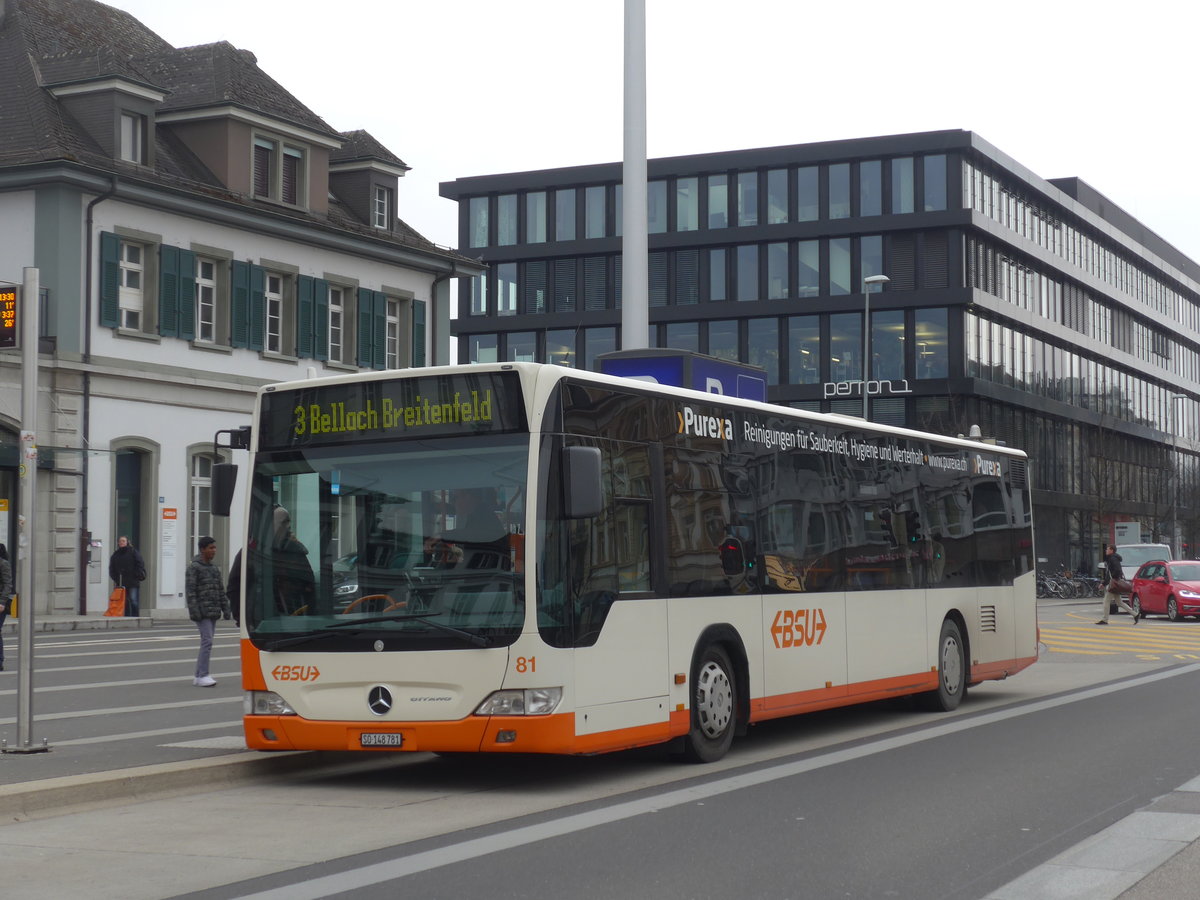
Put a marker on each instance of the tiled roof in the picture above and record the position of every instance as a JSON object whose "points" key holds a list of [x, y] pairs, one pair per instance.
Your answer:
{"points": [[48, 43], [360, 145]]}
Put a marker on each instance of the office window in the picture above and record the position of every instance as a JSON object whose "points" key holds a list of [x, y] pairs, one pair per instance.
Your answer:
{"points": [[762, 346], [595, 342], [870, 187], [723, 339], [133, 137], [687, 204], [839, 191], [535, 217], [845, 347], [337, 324], [903, 189], [718, 277], [560, 346], [481, 348], [392, 335], [839, 266], [777, 271], [479, 303], [808, 268], [804, 350], [747, 272], [871, 251], [564, 215], [747, 198], [273, 306], [593, 211], [718, 201], [935, 182], [521, 346], [687, 277], [682, 336], [506, 220], [533, 292], [506, 289], [808, 195], [656, 207], [930, 336], [887, 344], [206, 300], [777, 196], [381, 208], [477, 222]]}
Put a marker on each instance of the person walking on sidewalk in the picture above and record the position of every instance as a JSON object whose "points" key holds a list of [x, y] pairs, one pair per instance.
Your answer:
{"points": [[1116, 584], [128, 570], [6, 593], [206, 602]]}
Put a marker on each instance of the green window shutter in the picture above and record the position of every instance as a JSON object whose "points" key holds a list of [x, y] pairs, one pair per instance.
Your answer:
{"points": [[110, 280], [187, 295], [304, 316], [366, 327], [258, 307], [168, 291], [239, 304], [380, 342], [321, 319], [418, 332]]}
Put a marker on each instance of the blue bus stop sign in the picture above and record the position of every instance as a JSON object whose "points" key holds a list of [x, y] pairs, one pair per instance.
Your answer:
{"points": [[682, 368]]}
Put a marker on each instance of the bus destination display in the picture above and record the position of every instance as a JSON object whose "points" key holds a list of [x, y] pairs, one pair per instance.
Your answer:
{"points": [[396, 408]]}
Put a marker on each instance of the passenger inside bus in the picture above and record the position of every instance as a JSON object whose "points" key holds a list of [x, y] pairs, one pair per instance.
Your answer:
{"points": [[294, 583]]}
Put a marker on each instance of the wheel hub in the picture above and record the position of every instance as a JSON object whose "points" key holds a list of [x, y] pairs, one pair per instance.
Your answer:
{"points": [[714, 700]]}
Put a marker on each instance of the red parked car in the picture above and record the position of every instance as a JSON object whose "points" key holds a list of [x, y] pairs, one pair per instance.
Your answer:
{"points": [[1172, 588]]}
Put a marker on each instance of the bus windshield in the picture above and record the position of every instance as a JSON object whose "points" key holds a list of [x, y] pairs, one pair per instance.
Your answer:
{"points": [[416, 541]]}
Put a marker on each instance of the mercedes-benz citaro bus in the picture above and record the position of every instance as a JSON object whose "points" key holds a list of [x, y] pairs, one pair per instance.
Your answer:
{"points": [[530, 558]]}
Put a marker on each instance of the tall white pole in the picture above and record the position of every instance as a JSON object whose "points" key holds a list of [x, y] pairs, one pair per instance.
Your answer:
{"points": [[866, 354], [27, 527], [635, 306]]}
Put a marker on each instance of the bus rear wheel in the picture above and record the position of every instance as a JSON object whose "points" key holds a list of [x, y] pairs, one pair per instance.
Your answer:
{"points": [[714, 706], [952, 671]]}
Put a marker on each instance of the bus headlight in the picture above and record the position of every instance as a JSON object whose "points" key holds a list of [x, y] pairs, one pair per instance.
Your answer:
{"points": [[528, 702], [266, 703]]}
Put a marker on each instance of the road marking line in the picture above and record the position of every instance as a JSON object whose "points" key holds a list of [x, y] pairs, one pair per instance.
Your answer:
{"points": [[118, 710], [473, 848]]}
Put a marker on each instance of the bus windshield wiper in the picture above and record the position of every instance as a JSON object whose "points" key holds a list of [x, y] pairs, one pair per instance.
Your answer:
{"points": [[354, 627], [475, 640]]}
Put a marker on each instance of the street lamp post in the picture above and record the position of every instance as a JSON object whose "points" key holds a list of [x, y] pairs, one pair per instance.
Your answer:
{"points": [[1175, 470], [866, 358]]}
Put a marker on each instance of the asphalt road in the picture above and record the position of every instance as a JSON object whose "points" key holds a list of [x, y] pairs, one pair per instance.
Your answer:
{"points": [[872, 801]]}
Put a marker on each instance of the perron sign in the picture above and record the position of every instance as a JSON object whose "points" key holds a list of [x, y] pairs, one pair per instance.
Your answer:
{"points": [[874, 388]]}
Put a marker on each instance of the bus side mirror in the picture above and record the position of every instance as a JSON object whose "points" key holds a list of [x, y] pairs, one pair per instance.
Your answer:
{"points": [[581, 482], [224, 480]]}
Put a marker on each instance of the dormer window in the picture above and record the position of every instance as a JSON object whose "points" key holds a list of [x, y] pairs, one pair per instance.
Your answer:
{"points": [[381, 208], [133, 138], [278, 171]]}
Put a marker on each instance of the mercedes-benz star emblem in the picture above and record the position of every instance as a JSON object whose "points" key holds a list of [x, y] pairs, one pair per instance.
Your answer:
{"points": [[380, 701]]}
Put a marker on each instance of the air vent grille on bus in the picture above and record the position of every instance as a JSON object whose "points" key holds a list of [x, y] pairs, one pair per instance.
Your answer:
{"points": [[987, 618], [1019, 477]]}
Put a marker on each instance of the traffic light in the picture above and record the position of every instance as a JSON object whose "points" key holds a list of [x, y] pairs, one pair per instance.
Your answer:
{"points": [[912, 522]]}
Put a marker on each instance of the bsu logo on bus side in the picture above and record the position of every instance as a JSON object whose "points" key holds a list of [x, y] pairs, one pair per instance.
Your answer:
{"points": [[697, 425], [798, 627]]}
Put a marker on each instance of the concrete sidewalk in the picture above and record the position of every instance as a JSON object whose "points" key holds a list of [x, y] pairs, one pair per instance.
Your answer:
{"points": [[97, 622]]}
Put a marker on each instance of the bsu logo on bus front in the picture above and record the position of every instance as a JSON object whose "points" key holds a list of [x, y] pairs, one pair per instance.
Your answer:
{"points": [[697, 425]]}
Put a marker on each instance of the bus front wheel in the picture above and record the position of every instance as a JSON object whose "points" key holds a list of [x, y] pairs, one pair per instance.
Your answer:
{"points": [[952, 671], [714, 706]]}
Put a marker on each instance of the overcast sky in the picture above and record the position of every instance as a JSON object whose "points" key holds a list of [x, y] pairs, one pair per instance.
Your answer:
{"points": [[456, 88]]}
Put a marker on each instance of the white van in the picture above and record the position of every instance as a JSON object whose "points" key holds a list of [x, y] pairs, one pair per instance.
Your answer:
{"points": [[1134, 556]]}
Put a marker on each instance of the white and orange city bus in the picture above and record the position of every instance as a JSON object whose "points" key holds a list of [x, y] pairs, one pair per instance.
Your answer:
{"points": [[531, 558]]}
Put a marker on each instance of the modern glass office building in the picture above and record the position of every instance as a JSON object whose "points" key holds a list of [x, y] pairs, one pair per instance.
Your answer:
{"points": [[1035, 309]]}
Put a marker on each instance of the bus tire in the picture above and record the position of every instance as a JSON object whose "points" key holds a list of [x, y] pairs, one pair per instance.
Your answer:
{"points": [[951, 671], [714, 706]]}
